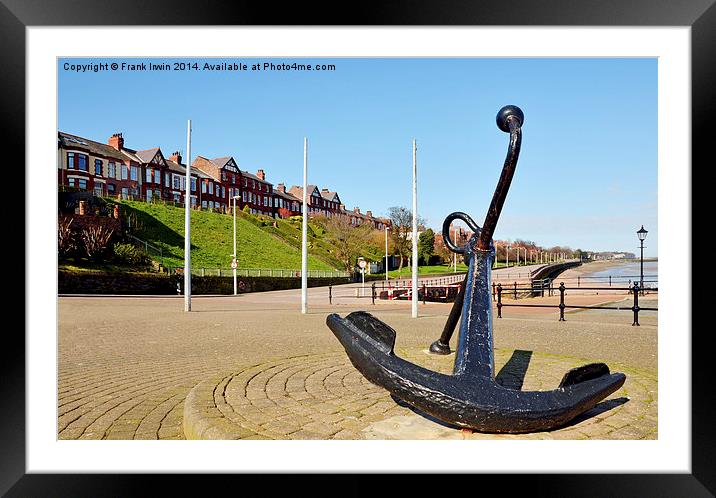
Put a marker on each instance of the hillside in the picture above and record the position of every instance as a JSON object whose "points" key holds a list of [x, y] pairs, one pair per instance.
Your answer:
{"points": [[212, 239]]}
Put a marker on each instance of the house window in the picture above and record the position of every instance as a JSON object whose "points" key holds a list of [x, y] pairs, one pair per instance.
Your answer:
{"points": [[149, 195], [111, 172], [166, 179], [217, 190], [125, 193], [203, 204], [71, 182], [82, 183], [134, 192], [211, 204], [244, 195], [246, 182], [149, 175], [124, 171], [98, 189], [267, 189], [223, 176], [176, 197], [193, 184], [110, 189], [203, 187], [253, 184], [223, 192], [98, 167], [193, 202], [134, 174], [176, 182]]}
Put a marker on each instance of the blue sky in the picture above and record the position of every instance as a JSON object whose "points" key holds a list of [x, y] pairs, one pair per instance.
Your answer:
{"points": [[587, 175]]}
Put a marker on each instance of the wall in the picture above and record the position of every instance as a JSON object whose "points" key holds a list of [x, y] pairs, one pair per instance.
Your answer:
{"points": [[86, 282]]}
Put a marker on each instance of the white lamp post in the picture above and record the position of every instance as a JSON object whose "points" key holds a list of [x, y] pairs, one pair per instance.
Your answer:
{"points": [[386, 253], [234, 262]]}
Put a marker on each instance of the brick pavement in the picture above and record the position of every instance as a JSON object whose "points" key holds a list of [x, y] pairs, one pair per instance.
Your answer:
{"points": [[127, 365]]}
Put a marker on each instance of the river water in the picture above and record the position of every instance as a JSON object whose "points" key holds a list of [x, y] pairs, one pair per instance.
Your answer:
{"points": [[623, 272]]}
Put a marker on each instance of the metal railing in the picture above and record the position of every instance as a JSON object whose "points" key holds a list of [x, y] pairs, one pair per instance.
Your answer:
{"points": [[147, 246], [259, 272], [633, 290]]}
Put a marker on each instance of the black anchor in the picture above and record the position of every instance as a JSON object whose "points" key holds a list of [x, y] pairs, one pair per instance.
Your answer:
{"points": [[471, 397]]}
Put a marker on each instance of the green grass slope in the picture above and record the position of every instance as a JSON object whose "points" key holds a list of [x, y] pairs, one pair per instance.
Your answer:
{"points": [[212, 239]]}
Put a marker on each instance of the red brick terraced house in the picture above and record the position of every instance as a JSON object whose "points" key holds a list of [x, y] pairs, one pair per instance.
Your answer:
{"points": [[257, 193], [220, 181], [331, 202], [314, 200], [176, 179], [153, 170], [286, 205], [358, 218], [84, 164]]}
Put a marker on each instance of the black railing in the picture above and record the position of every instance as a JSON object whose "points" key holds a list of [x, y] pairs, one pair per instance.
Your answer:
{"points": [[633, 290]]}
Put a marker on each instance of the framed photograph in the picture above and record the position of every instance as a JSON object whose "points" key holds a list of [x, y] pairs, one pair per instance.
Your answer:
{"points": [[85, 410]]}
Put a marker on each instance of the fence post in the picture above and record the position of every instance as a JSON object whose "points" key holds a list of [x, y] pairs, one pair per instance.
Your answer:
{"points": [[610, 280], [542, 287], [561, 301], [515, 290], [579, 280], [372, 295], [493, 291], [330, 294], [499, 300], [635, 308], [424, 293]]}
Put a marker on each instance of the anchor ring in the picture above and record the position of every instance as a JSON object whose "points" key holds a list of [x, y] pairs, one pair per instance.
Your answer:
{"points": [[446, 229]]}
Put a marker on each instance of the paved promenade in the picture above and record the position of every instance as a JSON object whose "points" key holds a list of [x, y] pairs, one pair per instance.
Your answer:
{"points": [[251, 366]]}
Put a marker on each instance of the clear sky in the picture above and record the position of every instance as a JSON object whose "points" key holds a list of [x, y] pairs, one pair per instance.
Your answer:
{"points": [[586, 178]]}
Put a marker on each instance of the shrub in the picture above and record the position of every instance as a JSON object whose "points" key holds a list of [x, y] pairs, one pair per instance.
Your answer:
{"points": [[131, 255], [66, 238], [96, 241]]}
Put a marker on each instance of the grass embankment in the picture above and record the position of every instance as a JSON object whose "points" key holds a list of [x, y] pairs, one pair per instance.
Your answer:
{"points": [[212, 239], [406, 271]]}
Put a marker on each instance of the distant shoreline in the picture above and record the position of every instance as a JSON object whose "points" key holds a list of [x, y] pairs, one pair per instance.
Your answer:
{"points": [[597, 266]]}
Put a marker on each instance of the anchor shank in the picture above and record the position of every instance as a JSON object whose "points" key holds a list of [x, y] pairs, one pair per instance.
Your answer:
{"points": [[474, 355]]}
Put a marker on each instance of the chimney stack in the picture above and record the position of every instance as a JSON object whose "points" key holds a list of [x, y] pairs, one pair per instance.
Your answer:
{"points": [[176, 157], [369, 214], [281, 187], [343, 207], [356, 210], [116, 141], [260, 173]]}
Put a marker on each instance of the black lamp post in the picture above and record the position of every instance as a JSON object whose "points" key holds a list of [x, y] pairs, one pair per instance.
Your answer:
{"points": [[641, 233]]}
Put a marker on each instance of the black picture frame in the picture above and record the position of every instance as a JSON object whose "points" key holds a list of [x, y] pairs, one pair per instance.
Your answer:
{"points": [[699, 15]]}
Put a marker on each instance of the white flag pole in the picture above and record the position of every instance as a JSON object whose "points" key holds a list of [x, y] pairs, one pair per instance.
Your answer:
{"points": [[304, 234], [187, 223], [415, 233]]}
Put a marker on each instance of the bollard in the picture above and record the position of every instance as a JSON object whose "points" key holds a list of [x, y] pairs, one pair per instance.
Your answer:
{"points": [[493, 291], [579, 279], [515, 290], [499, 300], [372, 294], [330, 294], [424, 293], [610, 280], [561, 302], [635, 308]]}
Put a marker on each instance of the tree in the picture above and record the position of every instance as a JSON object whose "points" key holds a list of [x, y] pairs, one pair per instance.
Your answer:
{"points": [[426, 246], [401, 219], [347, 239]]}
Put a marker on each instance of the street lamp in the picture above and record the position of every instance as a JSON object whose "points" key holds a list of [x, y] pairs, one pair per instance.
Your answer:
{"points": [[641, 233], [234, 262], [386, 253]]}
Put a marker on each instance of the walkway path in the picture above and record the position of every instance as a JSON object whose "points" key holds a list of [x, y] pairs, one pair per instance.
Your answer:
{"points": [[127, 364]]}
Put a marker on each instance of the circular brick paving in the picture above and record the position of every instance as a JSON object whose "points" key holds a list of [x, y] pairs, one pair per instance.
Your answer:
{"points": [[325, 397]]}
